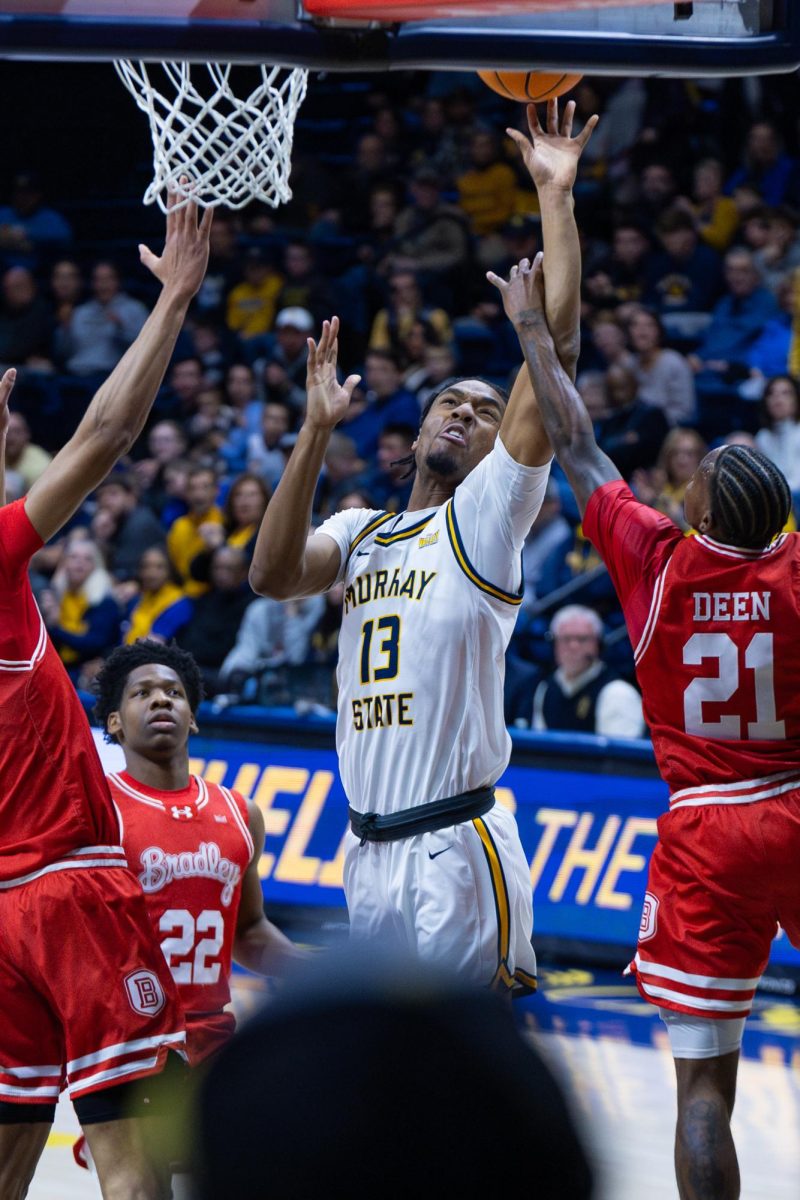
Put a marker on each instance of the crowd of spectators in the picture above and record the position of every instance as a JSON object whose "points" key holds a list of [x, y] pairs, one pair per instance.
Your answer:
{"points": [[690, 338]]}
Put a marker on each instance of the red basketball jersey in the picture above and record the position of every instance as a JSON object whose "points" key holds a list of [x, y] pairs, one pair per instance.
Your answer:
{"points": [[55, 807], [190, 850], [716, 636]]}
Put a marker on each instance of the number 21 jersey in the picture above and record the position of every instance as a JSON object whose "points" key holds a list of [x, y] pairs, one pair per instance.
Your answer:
{"points": [[716, 637]]}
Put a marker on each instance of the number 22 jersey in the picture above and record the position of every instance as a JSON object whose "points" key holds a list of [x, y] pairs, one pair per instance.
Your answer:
{"points": [[189, 851], [716, 637]]}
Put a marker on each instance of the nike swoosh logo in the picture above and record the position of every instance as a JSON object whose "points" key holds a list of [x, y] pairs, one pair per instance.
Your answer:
{"points": [[359, 553], [438, 852]]}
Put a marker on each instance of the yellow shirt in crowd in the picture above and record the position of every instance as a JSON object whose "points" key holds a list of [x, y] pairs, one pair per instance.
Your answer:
{"points": [[149, 608], [251, 310], [488, 197], [184, 543]]}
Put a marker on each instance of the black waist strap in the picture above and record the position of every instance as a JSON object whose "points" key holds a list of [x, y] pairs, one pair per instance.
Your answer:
{"points": [[438, 814]]}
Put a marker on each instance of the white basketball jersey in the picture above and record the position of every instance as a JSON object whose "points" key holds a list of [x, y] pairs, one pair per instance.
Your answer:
{"points": [[431, 598]]}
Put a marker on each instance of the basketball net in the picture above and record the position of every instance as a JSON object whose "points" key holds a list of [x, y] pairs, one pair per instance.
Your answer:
{"points": [[231, 149]]}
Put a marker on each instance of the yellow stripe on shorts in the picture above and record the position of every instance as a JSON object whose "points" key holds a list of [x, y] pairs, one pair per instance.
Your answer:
{"points": [[500, 890]]}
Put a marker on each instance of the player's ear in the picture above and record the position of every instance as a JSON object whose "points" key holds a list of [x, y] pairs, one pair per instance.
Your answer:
{"points": [[706, 521], [114, 724], [193, 726]]}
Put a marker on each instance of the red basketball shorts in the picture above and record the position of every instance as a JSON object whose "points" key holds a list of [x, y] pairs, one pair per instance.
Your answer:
{"points": [[722, 879], [86, 998]]}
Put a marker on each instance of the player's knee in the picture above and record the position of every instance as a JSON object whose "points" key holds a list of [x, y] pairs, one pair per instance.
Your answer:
{"points": [[130, 1185]]}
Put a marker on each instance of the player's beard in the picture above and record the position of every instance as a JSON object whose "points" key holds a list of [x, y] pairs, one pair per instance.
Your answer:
{"points": [[440, 463]]}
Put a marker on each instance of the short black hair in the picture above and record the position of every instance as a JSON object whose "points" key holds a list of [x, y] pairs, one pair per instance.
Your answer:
{"points": [[410, 460], [456, 382], [110, 683], [750, 498]]}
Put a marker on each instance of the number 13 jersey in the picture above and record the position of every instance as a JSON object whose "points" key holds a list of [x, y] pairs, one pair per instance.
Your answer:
{"points": [[189, 851], [716, 637], [430, 602]]}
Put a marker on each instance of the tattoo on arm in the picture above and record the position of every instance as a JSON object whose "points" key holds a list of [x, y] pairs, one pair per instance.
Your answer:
{"points": [[563, 412]]}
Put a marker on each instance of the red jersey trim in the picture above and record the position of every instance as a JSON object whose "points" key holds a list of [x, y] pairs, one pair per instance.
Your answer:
{"points": [[702, 539], [745, 791], [21, 664], [87, 856]]}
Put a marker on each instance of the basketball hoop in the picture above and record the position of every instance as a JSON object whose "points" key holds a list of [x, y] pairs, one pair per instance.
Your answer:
{"points": [[231, 149]]}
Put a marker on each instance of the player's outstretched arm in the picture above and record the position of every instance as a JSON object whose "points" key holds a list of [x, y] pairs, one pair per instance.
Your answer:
{"points": [[117, 414], [6, 384], [287, 563], [551, 157], [259, 945], [566, 422]]}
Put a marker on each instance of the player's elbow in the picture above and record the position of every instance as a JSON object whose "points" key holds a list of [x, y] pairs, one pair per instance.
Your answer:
{"points": [[569, 349], [270, 582], [110, 440], [574, 449]]}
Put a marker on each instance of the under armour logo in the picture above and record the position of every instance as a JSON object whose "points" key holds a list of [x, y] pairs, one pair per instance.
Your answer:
{"points": [[182, 814]]}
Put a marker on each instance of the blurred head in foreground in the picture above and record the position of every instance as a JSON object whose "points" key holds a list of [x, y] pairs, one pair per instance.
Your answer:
{"points": [[381, 1082]]}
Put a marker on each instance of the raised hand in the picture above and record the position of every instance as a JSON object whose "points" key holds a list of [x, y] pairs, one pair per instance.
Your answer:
{"points": [[551, 156], [184, 260], [326, 399], [523, 292]]}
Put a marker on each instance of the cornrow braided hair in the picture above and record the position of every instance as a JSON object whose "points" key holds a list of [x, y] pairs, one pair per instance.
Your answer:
{"points": [[750, 498]]}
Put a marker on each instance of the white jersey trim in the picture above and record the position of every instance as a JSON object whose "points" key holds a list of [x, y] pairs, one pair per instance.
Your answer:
{"points": [[95, 850], [31, 1072], [142, 1064], [700, 1003], [700, 981], [45, 1092], [652, 616], [121, 1048], [245, 832], [143, 798], [726, 551], [19, 664], [746, 791], [77, 860]]}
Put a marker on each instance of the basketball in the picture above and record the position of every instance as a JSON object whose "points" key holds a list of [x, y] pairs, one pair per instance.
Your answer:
{"points": [[527, 86]]}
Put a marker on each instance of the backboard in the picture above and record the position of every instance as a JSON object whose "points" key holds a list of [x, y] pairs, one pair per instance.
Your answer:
{"points": [[611, 37]]}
